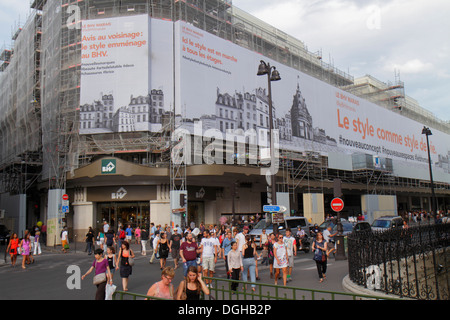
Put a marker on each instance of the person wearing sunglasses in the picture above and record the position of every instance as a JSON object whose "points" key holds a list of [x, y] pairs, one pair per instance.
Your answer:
{"points": [[163, 289], [280, 253]]}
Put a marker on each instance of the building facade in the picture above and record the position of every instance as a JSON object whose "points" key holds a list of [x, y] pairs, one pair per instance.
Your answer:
{"points": [[96, 119]]}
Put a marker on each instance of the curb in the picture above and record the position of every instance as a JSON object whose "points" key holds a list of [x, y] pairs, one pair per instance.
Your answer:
{"points": [[350, 286]]}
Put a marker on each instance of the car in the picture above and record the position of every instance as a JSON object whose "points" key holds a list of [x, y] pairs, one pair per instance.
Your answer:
{"points": [[330, 223], [289, 222], [362, 226], [347, 228], [387, 222], [4, 234]]}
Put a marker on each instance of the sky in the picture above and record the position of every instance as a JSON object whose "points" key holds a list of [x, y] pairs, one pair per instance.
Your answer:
{"points": [[375, 37]]}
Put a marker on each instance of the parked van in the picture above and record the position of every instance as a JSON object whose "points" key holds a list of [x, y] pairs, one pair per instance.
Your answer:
{"points": [[387, 222], [289, 222]]}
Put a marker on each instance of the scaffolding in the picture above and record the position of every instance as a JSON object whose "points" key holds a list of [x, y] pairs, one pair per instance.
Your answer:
{"points": [[391, 95], [64, 149], [20, 112], [40, 92]]}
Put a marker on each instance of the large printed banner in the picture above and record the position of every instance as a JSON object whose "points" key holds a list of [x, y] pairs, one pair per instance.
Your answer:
{"points": [[114, 70], [219, 86], [136, 69]]}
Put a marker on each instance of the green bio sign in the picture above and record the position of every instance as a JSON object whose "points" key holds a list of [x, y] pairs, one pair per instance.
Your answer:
{"points": [[108, 166]]}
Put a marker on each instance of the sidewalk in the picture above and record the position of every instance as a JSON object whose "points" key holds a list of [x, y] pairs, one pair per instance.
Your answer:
{"points": [[79, 248]]}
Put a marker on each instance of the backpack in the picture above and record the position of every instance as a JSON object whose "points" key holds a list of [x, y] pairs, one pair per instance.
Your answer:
{"points": [[122, 234]]}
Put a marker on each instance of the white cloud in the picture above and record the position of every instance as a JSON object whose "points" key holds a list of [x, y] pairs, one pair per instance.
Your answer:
{"points": [[373, 37], [414, 66]]}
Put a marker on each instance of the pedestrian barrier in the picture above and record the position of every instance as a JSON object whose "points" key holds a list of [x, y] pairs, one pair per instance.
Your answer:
{"points": [[125, 295], [221, 290]]}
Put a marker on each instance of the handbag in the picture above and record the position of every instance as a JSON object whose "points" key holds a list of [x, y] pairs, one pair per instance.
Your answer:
{"points": [[183, 293], [319, 255], [130, 261], [99, 278]]}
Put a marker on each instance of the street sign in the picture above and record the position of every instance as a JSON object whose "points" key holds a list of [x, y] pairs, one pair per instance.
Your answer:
{"points": [[337, 204], [277, 217], [274, 208], [179, 210], [271, 208], [65, 197]]}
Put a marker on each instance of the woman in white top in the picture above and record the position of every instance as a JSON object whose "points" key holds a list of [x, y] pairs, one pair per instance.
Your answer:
{"points": [[281, 259]]}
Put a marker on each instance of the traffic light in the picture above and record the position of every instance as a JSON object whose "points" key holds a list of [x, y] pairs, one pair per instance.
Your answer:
{"points": [[182, 200], [236, 189]]}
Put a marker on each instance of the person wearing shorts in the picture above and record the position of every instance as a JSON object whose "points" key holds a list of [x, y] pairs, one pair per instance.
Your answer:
{"points": [[188, 253], [129, 232], [209, 250], [291, 247], [175, 242]]}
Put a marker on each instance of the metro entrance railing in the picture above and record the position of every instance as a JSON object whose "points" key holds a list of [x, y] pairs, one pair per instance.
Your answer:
{"points": [[221, 290]]}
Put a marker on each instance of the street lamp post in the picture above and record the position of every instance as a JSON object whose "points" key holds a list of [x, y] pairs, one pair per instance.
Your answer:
{"points": [[266, 68], [426, 131]]}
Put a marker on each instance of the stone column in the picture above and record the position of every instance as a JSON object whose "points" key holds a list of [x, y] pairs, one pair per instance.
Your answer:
{"points": [[313, 207], [83, 214], [160, 208]]}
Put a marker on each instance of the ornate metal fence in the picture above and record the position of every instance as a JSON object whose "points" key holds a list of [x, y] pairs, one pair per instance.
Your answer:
{"points": [[411, 262]]}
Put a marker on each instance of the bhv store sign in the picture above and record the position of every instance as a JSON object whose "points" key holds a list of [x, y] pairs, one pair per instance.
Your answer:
{"points": [[109, 166]]}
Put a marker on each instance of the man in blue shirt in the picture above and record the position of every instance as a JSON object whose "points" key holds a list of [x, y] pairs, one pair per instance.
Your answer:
{"points": [[226, 247], [152, 231], [129, 232]]}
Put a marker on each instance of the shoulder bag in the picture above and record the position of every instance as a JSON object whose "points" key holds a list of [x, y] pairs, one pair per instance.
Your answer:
{"points": [[183, 293], [319, 255], [130, 260]]}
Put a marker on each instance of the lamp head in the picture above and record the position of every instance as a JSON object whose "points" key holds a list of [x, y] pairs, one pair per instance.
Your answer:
{"points": [[275, 75], [263, 69], [426, 131]]}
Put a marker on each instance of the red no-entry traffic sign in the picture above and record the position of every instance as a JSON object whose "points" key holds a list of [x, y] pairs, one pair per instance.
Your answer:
{"points": [[65, 197], [337, 204]]}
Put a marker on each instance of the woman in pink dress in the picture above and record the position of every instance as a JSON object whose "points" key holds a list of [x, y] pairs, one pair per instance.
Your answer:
{"points": [[137, 235], [25, 246]]}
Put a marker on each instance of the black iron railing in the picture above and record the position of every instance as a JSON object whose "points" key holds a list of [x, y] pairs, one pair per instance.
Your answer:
{"points": [[412, 262]]}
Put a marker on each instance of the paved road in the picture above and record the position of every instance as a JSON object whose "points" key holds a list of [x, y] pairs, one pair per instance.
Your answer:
{"points": [[47, 277]]}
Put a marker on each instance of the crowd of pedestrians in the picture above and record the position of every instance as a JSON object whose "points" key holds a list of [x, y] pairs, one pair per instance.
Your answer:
{"points": [[197, 250], [27, 247]]}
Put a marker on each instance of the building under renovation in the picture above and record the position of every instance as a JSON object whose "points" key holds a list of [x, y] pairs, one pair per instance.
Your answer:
{"points": [[112, 149]]}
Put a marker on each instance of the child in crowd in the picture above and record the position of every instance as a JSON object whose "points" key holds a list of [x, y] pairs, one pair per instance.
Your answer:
{"points": [[265, 255]]}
